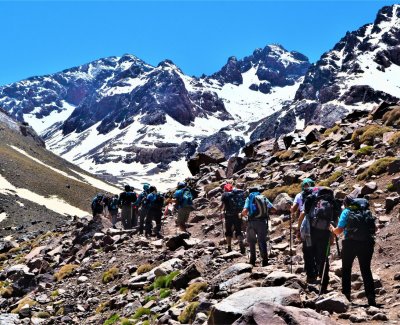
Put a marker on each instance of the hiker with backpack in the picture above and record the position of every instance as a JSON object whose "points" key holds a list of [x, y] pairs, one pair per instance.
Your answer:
{"points": [[232, 203], [113, 209], [304, 229], [97, 205], [358, 225], [184, 204], [256, 209], [155, 211], [142, 205], [321, 210], [126, 202]]}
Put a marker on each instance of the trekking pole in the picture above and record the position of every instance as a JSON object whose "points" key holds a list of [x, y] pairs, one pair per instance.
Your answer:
{"points": [[290, 243], [325, 264], [337, 246]]}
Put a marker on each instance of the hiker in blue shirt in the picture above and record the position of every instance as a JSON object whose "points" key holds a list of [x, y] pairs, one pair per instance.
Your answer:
{"points": [[358, 242], [257, 208], [184, 203], [155, 205]]}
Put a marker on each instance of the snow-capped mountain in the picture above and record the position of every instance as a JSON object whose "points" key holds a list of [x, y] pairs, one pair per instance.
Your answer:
{"points": [[130, 121], [361, 70]]}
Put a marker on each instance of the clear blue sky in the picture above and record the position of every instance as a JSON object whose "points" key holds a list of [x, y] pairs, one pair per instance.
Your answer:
{"points": [[44, 37]]}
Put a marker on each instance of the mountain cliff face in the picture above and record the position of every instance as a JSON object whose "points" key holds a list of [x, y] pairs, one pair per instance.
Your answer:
{"points": [[359, 72], [120, 116]]}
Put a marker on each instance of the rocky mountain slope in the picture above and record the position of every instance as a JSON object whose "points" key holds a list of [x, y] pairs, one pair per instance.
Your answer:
{"points": [[359, 72], [38, 189], [121, 116], [86, 273]]}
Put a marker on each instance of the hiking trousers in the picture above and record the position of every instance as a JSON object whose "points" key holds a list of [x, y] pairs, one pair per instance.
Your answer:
{"points": [[363, 250], [309, 262], [114, 216], [320, 241], [257, 231], [142, 217], [126, 215], [153, 215], [233, 223]]}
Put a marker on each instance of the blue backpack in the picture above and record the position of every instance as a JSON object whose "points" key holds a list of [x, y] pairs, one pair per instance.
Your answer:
{"points": [[113, 204], [258, 208], [187, 197]]}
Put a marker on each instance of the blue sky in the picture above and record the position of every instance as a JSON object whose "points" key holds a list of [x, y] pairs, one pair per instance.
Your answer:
{"points": [[44, 37]]}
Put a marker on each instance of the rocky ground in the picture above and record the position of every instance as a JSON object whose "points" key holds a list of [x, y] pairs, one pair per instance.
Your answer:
{"points": [[84, 272]]}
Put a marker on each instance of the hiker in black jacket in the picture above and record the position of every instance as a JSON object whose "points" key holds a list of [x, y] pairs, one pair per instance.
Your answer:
{"points": [[126, 202], [232, 204]]}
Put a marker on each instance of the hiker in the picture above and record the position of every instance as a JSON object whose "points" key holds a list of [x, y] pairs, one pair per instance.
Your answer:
{"points": [[126, 202], [113, 209], [358, 225], [256, 208], [321, 209], [155, 211], [232, 203], [184, 204], [141, 204], [304, 229], [97, 204]]}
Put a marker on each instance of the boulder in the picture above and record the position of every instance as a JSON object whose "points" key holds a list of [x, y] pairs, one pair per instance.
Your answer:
{"points": [[282, 203], [235, 164], [167, 267], [212, 156], [277, 278], [233, 307], [177, 241], [270, 313], [394, 167], [369, 188], [336, 302], [191, 272], [391, 201]]}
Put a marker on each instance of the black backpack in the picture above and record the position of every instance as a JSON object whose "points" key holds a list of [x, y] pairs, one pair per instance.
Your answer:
{"points": [[128, 198], [235, 202], [96, 204], [360, 223], [322, 208]]}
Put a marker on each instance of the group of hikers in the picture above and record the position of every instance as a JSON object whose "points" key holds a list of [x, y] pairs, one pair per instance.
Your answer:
{"points": [[140, 211], [320, 220]]}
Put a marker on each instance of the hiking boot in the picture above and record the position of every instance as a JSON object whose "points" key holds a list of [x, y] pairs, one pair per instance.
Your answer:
{"points": [[264, 262], [348, 296], [159, 236], [252, 262], [242, 248], [229, 249]]}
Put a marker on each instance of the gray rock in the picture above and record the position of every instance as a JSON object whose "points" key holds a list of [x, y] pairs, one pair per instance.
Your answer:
{"points": [[190, 273], [337, 303], [391, 202], [369, 188], [270, 313], [167, 267], [177, 241], [231, 308], [282, 203], [9, 319], [6, 245], [277, 278]]}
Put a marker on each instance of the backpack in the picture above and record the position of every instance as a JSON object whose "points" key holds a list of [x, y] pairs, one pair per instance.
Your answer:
{"points": [[96, 204], [127, 198], [157, 202], [258, 206], [113, 205], [360, 223], [322, 208], [235, 202], [187, 197]]}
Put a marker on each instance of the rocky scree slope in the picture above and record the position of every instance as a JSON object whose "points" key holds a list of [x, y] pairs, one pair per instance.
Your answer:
{"points": [[38, 189], [86, 273], [360, 71], [123, 117]]}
